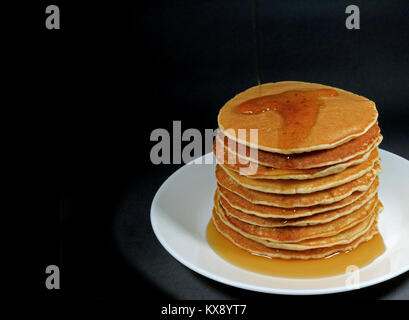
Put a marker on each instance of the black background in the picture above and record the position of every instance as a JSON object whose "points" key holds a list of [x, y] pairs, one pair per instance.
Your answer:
{"points": [[122, 69]]}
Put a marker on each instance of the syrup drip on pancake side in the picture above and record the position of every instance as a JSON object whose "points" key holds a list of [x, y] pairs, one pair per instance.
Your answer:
{"points": [[298, 108]]}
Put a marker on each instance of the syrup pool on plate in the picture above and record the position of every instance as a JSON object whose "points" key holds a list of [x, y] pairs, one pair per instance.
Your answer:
{"points": [[333, 265]]}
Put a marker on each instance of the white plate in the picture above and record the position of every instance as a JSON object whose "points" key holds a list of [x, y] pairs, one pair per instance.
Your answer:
{"points": [[182, 208]]}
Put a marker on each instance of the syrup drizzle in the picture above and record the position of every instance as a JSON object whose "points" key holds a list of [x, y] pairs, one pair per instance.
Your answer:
{"points": [[298, 109]]}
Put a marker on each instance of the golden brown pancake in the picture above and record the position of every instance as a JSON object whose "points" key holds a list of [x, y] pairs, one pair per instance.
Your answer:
{"points": [[292, 234], [297, 215], [259, 249], [305, 186], [352, 116], [232, 162], [298, 200], [318, 218], [306, 160], [343, 237]]}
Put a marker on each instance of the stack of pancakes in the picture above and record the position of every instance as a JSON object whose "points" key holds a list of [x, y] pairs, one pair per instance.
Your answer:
{"points": [[312, 191]]}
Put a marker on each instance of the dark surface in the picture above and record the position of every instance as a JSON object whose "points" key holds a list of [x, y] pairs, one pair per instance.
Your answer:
{"points": [[126, 69]]}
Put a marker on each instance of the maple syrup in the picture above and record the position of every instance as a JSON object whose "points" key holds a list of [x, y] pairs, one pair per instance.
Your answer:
{"points": [[333, 265], [254, 20], [298, 108]]}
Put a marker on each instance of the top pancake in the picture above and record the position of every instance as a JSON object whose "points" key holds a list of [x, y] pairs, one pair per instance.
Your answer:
{"points": [[339, 119]]}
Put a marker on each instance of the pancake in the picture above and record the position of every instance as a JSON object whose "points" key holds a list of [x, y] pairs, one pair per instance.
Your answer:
{"points": [[232, 162], [343, 237], [297, 171], [292, 234], [290, 216], [305, 186], [259, 249], [307, 160], [352, 116], [318, 218], [298, 200]]}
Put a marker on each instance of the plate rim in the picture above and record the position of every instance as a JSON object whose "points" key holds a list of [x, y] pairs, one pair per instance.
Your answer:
{"points": [[255, 288]]}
